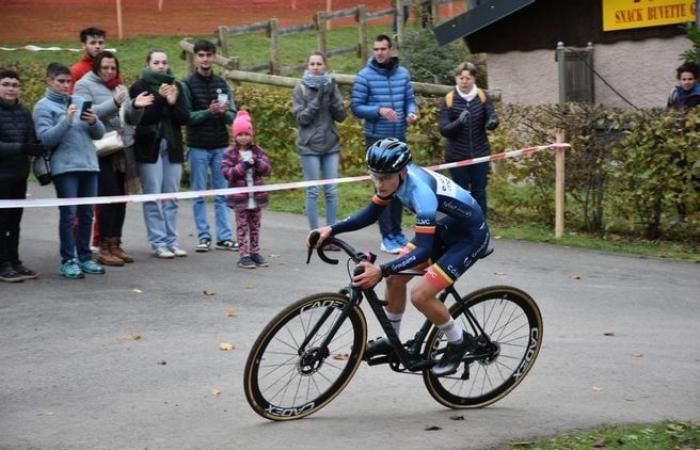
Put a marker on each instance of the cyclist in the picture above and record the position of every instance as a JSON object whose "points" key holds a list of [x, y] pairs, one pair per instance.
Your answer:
{"points": [[448, 245]]}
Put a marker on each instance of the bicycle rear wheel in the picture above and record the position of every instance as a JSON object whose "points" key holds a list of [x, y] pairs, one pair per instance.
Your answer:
{"points": [[512, 322], [283, 381]]}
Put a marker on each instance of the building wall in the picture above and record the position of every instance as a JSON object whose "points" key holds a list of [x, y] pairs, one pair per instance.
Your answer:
{"points": [[642, 71]]}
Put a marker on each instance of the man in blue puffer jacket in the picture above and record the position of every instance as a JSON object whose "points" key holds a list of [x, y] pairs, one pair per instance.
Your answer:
{"points": [[383, 96]]}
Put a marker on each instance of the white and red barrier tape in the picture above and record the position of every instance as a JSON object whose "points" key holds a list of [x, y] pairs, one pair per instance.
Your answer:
{"points": [[44, 202], [34, 48]]}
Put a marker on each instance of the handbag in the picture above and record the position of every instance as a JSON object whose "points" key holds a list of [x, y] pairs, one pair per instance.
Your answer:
{"points": [[110, 143], [41, 167]]}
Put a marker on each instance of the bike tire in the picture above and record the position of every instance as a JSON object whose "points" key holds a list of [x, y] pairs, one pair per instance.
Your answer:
{"points": [[277, 383], [513, 321]]}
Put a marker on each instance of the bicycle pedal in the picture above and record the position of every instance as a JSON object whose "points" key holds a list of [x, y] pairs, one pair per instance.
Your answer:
{"points": [[381, 359]]}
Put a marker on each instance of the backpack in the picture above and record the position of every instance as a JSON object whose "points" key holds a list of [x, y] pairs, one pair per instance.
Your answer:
{"points": [[449, 98]]}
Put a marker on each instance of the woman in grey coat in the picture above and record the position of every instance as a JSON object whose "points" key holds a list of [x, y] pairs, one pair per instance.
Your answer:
{"points": [[317, 105], [104, 88]]}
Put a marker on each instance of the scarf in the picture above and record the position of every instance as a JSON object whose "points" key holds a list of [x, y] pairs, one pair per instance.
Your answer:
{"points": [[154, 80], [469, 96], [113, 83], [315, 81]]}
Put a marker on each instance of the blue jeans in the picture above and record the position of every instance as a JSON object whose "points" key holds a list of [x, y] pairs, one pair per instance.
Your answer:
{"points": [[313, 166], [201, 161], [75, 242], [161, 217], [473, 178]]}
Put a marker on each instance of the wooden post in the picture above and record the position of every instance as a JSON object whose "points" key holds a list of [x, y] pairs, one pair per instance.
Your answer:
{"points": [[223, 41], [120, 29], [273, 34], [329, 9], [399, 24], [321, 32], [435, 11], [361, 18], [160, 5], [559, 177]]}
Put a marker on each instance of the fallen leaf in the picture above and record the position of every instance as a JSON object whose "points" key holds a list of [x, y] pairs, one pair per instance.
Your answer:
{"points": [[162, 363], [596, 388], [499, 273], [638, 355], [206, 292], [341, 356], [432, 428], [456, 417], [249, 286], [675, 427], [576, 277], [131, 336], [138, 291], [609, 333], [226, 346], [230, 312], [497, 237], [600, 443], [614, 237], [215, 392], [274, 256]]}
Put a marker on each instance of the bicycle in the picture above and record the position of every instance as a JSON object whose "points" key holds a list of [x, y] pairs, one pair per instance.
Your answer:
{"points": [[310, 351]]}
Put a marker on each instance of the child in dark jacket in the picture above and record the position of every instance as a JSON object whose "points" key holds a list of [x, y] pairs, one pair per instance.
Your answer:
{"points": [[245, 164]]}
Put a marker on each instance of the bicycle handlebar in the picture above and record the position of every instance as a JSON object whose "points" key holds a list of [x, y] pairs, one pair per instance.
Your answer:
{"points": [[347, 248]]}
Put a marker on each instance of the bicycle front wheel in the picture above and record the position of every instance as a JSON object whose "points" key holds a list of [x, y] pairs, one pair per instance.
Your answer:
{"points": [[512, 323], [282, 381]]}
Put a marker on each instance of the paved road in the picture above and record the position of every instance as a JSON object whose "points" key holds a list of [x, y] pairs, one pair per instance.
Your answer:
{"points": [[69, 380]]}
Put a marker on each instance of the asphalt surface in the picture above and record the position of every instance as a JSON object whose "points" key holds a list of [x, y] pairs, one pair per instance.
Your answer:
{"points": [[620, 346]]}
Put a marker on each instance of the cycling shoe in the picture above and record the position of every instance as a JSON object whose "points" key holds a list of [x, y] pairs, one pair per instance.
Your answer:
{"points": [[378, 347]]}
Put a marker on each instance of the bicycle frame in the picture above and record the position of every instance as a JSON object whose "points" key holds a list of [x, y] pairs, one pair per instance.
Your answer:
{"points": [[411, 359]]}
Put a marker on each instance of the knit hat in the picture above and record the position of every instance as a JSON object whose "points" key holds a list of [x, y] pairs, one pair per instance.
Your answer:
{"points": [[242, 124]]}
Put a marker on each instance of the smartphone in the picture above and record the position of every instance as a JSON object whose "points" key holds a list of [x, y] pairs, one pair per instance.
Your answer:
{"points": [[87, 104]]}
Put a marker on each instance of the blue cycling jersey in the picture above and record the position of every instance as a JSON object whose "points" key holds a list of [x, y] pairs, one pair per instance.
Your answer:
{"points": [[425, 193]]}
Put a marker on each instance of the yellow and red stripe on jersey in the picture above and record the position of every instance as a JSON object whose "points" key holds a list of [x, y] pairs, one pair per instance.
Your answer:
{"points": [[423, 229], [377, 200], [438, 277]]}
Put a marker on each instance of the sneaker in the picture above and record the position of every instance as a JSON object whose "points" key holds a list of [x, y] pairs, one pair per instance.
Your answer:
{"points": [[259, 260], [227, 244], [203, 245], [71, 269], [91, 267], [246, 263], [163, 253], [378, 347], [452, 358], [9, 275], [390, 246], [177, 251], [26, 273], [400, 239]]}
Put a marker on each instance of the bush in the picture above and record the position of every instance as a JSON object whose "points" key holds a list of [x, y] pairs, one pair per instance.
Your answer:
{"points": [[430, 63]]}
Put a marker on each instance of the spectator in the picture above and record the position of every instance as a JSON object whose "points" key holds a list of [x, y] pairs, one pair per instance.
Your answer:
{"points": [[406, 4], [465, 115], [158, 151], [211, 107], [317, 105], [92, 41], [383, 96], [74, 168], [245, 164], [683, 97], [105, 89], [17, 142]]}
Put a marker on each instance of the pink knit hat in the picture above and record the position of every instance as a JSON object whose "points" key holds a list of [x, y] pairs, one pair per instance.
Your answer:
{"points": [[242, 124]]}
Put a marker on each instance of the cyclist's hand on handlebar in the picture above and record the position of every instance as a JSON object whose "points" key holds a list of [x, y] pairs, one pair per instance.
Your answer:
{"points": [[369, 278], [324, 233]]}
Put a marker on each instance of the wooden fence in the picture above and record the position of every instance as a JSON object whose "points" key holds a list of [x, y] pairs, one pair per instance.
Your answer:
{"points": [[320, 23]]}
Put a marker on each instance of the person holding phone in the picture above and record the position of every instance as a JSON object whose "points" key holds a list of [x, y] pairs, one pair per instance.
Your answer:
{"points": [[212, 111], [103, 90], [69, 132], [158, 151]]}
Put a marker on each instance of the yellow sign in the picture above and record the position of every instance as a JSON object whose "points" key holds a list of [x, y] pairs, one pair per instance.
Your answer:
{"points": [[626, 14]]}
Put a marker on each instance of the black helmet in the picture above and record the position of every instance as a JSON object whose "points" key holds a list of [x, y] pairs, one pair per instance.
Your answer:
{"points": [[388, 156]]}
